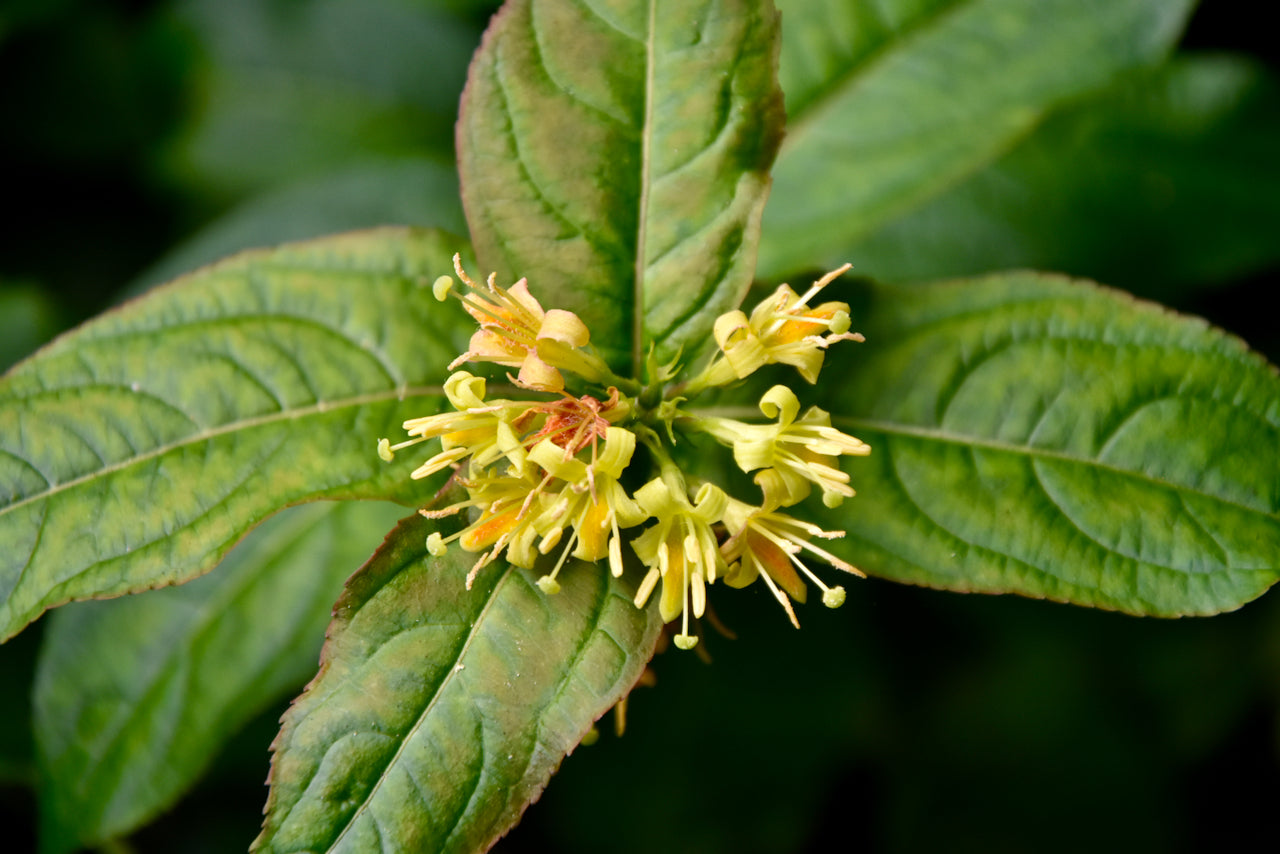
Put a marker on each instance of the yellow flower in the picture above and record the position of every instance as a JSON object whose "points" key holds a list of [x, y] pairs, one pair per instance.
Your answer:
{"points": [[765, 544], [680, 549], [546, 474], [516, 332], [802, 450], [783, 329], [509, 506], [593, 503], [476, 429]]}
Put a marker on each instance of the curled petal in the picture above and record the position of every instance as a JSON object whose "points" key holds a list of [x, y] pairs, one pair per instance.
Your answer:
{"points": [[780, 402], [537, 374], [464, 391], [710, 503], [619, 446], [566, 327], [728, 326]]}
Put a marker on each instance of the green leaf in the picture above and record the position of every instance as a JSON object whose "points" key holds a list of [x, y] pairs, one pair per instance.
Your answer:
{"points": [[295, 89], [1166, 181], [895, 126], [392, 191], [135, 696], [617, 155], [1035, 435], [136, 450], [440, 712], [823, 41]]}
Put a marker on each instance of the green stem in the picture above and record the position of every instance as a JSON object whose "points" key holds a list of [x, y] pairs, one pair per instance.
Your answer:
{"points": [[667, 467], [629, 387]]}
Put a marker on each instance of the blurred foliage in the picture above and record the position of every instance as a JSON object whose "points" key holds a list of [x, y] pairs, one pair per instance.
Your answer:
{"points": [[144, 137]]}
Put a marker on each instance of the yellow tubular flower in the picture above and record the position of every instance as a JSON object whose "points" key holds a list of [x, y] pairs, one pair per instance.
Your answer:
{"points": [[593, 503], [509, 506], [475, 429], [516, 332], [802, 450], [681, 549], [765, 544], [546, 473], [783, 329]]}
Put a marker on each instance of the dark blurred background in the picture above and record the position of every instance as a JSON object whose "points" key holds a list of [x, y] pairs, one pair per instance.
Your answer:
{"points": [[143, 138]]}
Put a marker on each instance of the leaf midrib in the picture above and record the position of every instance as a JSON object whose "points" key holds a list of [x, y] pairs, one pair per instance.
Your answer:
{"points": [[894, 428], [319, 408], [646, 134], [426, 711], [944, 436]]}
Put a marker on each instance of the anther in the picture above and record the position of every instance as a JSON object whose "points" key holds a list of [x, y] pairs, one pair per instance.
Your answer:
{"points": [[441, 287]]}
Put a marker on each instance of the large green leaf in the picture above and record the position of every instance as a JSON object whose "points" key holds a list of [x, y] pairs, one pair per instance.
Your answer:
{"points": [[1170, 179], [897, 125], [439, 713], [1042, 436], [617, 154], [135, 696], [824, 41], [135, 451]]}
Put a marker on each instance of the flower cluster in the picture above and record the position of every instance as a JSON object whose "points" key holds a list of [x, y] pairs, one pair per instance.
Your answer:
{"points": [[542, 467]]}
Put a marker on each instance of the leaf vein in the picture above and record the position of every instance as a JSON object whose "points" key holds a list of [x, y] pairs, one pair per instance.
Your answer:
{"points": [[642, 218], [319, 408], [929, 434], [450, 674]]}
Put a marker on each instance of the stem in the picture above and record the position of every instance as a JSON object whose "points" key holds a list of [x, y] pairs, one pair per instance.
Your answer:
{"points": [[667, 467], [627, 386]]}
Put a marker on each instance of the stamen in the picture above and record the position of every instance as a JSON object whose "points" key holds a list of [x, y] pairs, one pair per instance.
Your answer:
{"points": [[805, 544], [782, 598], [436, 544], [646, 587], [547, 583], [441, 288], [823, 282], [457, 268], [686, 640], [479, 565], [684, 595], [615, 552]]}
